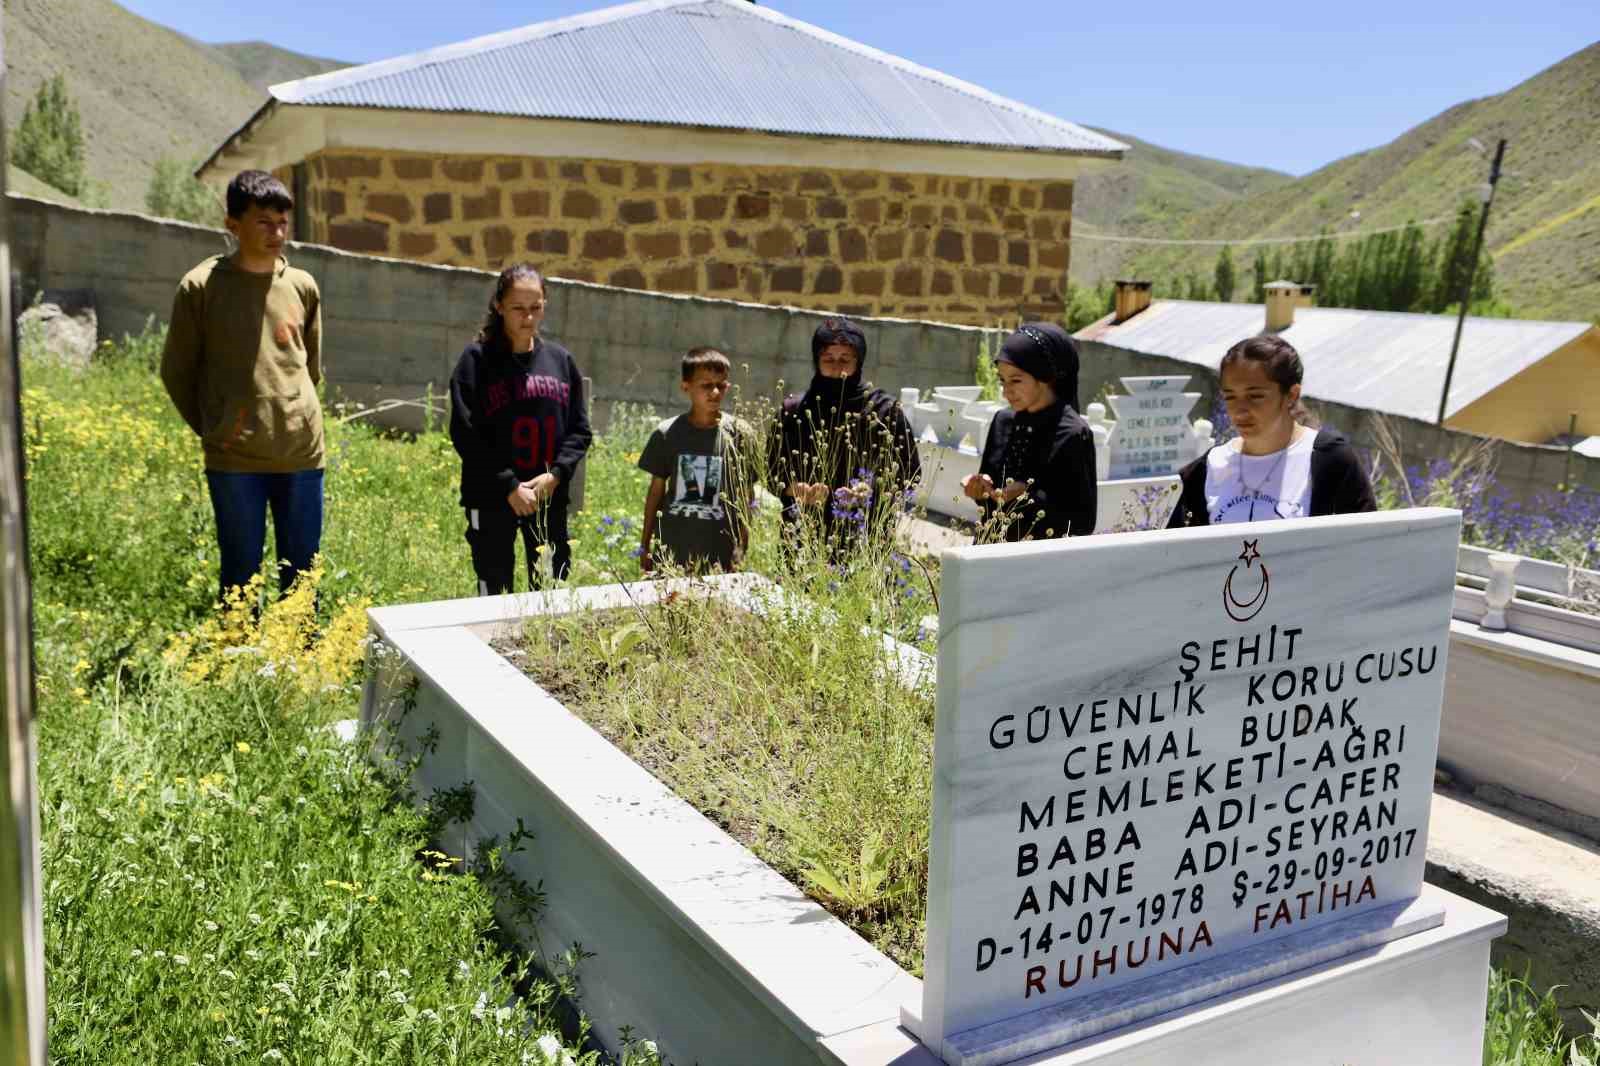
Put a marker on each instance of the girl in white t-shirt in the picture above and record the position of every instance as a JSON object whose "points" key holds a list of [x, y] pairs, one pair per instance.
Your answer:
{"points": [[1278, 467]]}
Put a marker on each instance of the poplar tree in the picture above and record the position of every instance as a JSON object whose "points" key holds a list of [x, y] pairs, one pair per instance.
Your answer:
{"points": [[1223, 279], [48, 142]]}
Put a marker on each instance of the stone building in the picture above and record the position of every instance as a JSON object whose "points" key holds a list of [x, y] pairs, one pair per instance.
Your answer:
{"points": [[701, 146]]}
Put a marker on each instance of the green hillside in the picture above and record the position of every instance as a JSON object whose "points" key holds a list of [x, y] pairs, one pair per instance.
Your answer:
{"points": [[1152, 189], [143, 91], [1543, 232], [261, 64]]}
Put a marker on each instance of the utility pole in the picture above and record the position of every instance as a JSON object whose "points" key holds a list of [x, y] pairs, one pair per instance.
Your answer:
{"points": [[1472, 272]]}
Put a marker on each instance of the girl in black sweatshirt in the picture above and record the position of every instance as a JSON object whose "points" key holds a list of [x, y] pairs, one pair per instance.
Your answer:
{"points": [[1036, 477], [1279, 467], [518, 421]]}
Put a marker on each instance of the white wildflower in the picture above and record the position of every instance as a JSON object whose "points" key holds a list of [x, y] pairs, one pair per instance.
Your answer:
{"points": [[137, 954], [211, 927], [158, 954], [252, 954], [272, 1054], [229, 974], [398, 996], [254, 918], [477, 1008], [181, 960], [194, 838]]}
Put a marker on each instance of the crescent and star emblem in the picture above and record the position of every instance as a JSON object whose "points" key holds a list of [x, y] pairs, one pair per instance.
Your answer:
{"points": [[1244, 610]]}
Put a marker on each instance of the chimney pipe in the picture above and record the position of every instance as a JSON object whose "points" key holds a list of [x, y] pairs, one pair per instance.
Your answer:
{"points": [[1305, 296], [1132, 297], [1282, 297]]}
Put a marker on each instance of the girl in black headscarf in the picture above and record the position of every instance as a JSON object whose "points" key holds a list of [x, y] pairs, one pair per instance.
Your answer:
{"points": [[1036, 479], [840, 450]]}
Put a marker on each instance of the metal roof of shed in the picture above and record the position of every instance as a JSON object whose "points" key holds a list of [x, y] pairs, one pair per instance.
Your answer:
{"points": [[723, 64], [1391, 361]]}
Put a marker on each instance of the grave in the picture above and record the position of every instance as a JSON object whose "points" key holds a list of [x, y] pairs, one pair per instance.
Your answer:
{"points": [[1137, 454], [1219, 782], [1191, 672]]}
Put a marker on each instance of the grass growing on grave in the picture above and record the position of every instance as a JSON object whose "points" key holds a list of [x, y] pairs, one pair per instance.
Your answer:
{"points": [[786, 726], [1524, 1028], [223, 879]]}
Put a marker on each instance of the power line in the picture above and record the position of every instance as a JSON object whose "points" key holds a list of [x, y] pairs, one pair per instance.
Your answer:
{"points": [[1117, 238]]}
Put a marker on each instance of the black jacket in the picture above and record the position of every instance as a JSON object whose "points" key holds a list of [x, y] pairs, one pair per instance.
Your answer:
{"points": [[514, 417], [1339, 483], [1060, 463], [812, 442]]}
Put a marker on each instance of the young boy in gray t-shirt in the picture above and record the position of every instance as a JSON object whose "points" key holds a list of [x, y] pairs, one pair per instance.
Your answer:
{"points": [[702, 476]]}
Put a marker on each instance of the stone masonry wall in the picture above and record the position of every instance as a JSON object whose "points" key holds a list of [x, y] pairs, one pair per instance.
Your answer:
{"points": [[964, 250]]}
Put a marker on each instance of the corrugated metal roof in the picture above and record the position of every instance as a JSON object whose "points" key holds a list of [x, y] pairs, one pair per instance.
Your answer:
{"points": [[1390, 361], [713, 63]]}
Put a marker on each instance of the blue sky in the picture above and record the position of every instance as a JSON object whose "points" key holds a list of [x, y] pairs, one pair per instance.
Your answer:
{"points": [[1288, 85]]}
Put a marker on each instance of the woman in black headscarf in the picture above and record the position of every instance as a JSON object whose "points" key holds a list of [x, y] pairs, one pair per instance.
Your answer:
{"points": [[1036, 480], [839, 448]]}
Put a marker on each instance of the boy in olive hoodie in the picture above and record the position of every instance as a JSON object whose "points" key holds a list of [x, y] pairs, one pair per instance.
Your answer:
{"points": [[242, 362]]}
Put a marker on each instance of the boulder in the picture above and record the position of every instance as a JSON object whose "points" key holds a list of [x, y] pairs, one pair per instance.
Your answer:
{"points": [[62, 325]]}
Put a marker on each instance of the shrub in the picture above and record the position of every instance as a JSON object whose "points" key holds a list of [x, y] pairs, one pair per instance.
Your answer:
{"points": [[174, 192]]}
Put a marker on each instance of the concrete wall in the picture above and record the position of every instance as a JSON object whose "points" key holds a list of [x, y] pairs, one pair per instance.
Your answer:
{"points": [[395, 328], [1522, 470], [952, 249]]}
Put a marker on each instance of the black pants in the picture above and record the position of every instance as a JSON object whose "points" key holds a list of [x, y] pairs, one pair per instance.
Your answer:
{"points": [[492, 536]]}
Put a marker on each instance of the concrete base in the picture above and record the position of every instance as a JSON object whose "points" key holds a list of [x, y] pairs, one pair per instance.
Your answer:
{"points": [[1545, 881], [1418, 1000], [1520, 715]]}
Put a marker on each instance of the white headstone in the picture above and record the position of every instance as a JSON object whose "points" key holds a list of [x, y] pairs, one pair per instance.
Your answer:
{"points": [[1152, 435], [1172, 765]]}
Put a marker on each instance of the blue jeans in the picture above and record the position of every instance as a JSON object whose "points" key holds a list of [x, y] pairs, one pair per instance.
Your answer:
{"points": [[240, 502]]}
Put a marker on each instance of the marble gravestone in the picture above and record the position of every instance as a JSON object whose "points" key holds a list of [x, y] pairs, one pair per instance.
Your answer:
{"points": [[1152, 436], [1217, 775]]}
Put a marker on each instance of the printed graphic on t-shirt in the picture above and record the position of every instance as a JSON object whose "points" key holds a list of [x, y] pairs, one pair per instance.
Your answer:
{"points": [[697, 490], [1259, 488], [1256, 507]]}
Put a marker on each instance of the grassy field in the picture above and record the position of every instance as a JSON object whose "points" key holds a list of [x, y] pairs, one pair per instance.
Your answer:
{"points": [[227, 881]]}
